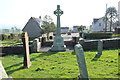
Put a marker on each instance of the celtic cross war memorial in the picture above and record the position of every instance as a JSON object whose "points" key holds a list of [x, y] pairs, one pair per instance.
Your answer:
{"points": [[58, 43]]}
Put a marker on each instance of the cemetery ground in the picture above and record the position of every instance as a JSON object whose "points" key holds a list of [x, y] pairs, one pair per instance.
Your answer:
{"points": [[63, 65]]}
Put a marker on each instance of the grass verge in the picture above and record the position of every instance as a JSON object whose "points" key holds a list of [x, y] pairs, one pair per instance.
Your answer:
{"points": [[63, 65]]}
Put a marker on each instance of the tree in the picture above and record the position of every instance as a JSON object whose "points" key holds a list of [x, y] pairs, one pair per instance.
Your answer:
{"points": [[48, 25], [12, 29], [111, 14], [15, 30], [48, 19], [81, 28]]}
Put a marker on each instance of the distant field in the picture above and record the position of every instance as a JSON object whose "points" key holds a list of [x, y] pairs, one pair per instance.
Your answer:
{"points": [[63, 65], [9, 43]]}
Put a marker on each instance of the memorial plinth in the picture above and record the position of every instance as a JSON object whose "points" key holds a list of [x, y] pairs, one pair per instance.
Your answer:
{"points": [[58, 43]]}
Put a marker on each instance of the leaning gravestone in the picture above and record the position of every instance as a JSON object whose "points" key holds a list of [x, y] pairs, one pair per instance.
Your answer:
{"points": [[58, 43], [25, 41], [100, 47], [81, 62], [3, 73]]}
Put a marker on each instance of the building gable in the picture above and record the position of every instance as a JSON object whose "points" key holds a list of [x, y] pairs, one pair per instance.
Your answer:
{"points": [[33, 28]]}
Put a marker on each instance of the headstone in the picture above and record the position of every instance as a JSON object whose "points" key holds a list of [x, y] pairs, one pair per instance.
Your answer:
{"points": [[3, 73], [81, 62], [81, 41], [58, 44], [75, 40], [25, 41], [100, 47], [36, 45]]}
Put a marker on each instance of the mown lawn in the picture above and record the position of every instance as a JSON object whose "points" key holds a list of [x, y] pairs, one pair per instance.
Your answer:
{"points": [[63, 65]]}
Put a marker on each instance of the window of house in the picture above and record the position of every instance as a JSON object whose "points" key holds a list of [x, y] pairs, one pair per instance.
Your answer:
{"points": [[99, 24]]}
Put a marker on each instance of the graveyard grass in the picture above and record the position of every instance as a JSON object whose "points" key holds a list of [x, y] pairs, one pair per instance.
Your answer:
{"points": [[63, 65]]}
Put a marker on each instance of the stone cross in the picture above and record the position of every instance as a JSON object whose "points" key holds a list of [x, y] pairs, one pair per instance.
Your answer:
{"points": [[58, 13], [58, 43], [100, 47], [25, 41], [81, 62]]}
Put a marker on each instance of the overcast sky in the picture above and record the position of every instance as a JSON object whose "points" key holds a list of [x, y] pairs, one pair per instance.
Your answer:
{"points": [[76, 12]]}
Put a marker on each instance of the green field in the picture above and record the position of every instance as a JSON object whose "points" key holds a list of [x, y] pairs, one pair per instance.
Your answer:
{"points": [[10, 43], [63, 65]]}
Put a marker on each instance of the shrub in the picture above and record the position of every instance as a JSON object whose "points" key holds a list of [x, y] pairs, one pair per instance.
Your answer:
{"points": [[12, 36], [116, 35], [97, 35], [3, 37]]}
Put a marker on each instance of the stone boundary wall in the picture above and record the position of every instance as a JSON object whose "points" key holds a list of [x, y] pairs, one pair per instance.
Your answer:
{"points": [[87, 45], [12, 50], [92, 44], [107, 44]]}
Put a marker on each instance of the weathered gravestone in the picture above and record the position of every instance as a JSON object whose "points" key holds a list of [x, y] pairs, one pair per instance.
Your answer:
{"points": [[58, 44], [81, 62], [25, 41], [3, 73], [36, 45], [100, 47], [81, 41]]}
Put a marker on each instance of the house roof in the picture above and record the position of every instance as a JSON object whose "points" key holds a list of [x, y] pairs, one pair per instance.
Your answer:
{"points": [[95, 20], [64, 27], [37, 20], [75, 26]]}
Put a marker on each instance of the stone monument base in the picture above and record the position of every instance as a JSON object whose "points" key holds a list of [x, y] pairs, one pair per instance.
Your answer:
{"points": [[58, 44]]}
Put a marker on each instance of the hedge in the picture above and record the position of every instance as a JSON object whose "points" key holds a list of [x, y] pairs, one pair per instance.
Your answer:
{"points": [[9, 36], [98, 35], [3, 37]]}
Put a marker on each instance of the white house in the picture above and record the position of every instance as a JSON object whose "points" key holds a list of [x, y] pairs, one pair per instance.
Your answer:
{"points": [[33, 27], [119, 11], [64, 29], [98, 24], [75, 29]]}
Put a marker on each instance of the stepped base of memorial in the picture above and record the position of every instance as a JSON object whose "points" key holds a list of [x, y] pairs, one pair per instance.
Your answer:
{"points": [[58, 44], [58, 48]]}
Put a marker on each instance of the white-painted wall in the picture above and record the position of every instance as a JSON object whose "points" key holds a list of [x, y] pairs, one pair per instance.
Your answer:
{"points": [[98, 26], [119, 10]]}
